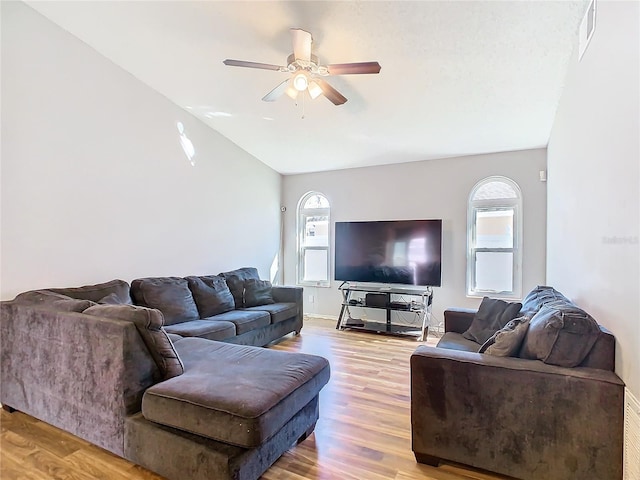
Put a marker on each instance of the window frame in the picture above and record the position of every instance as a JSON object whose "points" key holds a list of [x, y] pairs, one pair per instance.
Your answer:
{"points": [[493, 205], [301, 214]]}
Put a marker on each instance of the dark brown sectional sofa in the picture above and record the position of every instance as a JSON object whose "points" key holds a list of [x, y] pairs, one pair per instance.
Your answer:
{"points": [[552, 409], [98, 362]]}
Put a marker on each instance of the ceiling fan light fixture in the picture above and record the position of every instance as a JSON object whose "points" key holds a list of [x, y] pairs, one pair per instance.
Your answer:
{"points": [[300, 82], [314, 90], [291, 91]]}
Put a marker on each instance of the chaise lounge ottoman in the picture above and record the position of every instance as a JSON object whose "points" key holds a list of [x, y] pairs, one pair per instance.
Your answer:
{"points": [[231, 414]]}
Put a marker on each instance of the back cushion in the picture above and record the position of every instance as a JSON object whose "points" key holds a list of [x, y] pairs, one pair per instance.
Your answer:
{"points": [[97, 292], [235, 280], [212, 295], [603, 353], [539, 296], [170, 295], [53, 300], [257, 292]]}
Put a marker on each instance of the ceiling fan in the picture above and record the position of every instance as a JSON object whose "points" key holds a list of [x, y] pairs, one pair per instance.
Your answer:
{"points": [[306, 71]]}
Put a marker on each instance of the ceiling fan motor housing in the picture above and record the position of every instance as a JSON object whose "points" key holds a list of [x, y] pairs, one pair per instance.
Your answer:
{"points": [[312, 66]]}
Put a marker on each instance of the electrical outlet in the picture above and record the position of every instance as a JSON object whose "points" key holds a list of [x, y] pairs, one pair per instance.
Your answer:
{"points": [[311, 298]]}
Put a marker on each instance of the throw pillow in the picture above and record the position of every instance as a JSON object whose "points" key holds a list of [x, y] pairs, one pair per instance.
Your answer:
{"points": [[170, 295], [507, 341], [235, 280], [257, 292], [149, 323], [492, 315], [560, 334], [212, 295]]}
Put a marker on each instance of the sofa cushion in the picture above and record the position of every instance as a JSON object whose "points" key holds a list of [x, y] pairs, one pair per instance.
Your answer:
{"points": [[492, 315], [257, 292], [149, 323], [244, 320], [235, 394], [174, 337], [170, 295], [209, 329], [235, 280], [52, 300], [560, 334], [539, 296], [279, 311], [96, 292], [211, 294], [455, 341], [507, 341]]}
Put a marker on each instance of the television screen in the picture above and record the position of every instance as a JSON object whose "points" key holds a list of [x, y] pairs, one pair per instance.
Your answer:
{"points": [[407, 252]]}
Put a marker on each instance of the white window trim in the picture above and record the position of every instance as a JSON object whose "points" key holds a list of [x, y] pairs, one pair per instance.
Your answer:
{"points": [[300, 248], [495, 204]]}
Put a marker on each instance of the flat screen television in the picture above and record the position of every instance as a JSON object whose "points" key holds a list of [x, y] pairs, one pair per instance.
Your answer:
{"points": [[405, 252]]}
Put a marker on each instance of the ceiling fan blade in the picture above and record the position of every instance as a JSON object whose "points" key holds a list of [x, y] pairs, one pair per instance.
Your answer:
{"points": [[277, 92], [301, 40], [242, 63], [353, 68], [331, 93]]}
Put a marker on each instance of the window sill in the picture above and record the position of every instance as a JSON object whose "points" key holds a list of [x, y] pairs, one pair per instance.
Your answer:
{"points": [[314, 284], [503, 296]]}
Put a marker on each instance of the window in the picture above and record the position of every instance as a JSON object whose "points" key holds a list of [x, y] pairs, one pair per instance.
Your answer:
{"points": [[313, 240], [494, 253]]}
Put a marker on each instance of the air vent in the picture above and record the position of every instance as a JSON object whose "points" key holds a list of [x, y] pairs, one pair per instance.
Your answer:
{"points": [[587, 27], [631, 437]]}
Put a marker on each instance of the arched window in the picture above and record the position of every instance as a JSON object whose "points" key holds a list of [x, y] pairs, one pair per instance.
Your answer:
{"points": [[313, 240], [494, 242]]}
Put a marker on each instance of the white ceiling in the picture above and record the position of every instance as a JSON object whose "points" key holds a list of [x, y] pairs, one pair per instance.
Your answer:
{"points": [[458, 78]]}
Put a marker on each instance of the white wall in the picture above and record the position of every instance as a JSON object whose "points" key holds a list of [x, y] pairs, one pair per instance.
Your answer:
{"points": [[428, 189], [95, 184], [594, 179]]}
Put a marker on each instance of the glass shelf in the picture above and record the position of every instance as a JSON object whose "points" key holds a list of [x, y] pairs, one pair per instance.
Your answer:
{"points": [[381, 299]]}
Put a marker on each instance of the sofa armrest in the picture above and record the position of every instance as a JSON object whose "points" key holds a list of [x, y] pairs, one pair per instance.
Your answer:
{"points": [[458, 320], [509, 365], [73, 370], [285, 293], [519, 417]]}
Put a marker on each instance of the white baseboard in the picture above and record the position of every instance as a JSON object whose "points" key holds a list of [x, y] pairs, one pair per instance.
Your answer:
{"points": [[324, 317]]}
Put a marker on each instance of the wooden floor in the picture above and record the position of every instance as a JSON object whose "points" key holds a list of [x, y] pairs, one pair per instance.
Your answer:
{"points": [[364, 431]]}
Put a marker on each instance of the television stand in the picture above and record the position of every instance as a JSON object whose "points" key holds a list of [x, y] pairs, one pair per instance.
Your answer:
{"points": [[410, 300]]}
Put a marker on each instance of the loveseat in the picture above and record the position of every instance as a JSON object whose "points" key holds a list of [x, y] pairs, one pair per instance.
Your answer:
{"points": [[546, 405], [181, 406]]}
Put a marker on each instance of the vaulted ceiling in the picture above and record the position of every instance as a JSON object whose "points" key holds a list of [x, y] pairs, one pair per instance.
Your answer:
{"points": [[457, 78]]}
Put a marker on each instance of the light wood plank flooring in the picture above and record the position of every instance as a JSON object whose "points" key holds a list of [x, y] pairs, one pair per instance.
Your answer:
{"points": [[364, 431]]}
